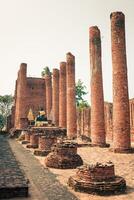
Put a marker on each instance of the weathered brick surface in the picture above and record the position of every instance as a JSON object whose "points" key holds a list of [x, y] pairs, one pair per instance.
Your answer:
{"points": [[71, 101], [30, 93], [121, 118], [83, 122], [98, 179], [12, 180], [46, 142], [21, 95], [64, 156], [62, 95], [27, 136], [109, 121], [48, 81], [34, 141], [131, 103], [55, 97], [97, 99]]}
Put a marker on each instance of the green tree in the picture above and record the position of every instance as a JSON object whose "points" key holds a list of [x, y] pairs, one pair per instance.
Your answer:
{"points": [[46, 71], [2, 122], [6, 103], [80, 93]]}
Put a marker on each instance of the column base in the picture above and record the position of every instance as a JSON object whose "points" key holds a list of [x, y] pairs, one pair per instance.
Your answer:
{"points": [[120, 150], [24, 142], [39, 152], [100, 145], [32, 146]]}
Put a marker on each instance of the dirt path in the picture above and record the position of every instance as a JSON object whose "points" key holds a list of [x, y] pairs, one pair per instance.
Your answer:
{"points": [[43, 184]]}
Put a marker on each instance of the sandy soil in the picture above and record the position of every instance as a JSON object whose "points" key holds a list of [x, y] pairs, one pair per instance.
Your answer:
{"points": [[124, 166]]}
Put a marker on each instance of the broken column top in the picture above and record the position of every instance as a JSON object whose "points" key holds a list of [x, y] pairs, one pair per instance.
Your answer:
{"points": [[62, 65], [55, 71], [97, 172], [116, 14], [94, 32], [70, 58], [23, 66]]}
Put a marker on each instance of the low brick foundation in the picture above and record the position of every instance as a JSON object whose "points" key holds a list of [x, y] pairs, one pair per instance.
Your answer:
{"points": [[34, 139], [26, 138], [64, 156], [97, 179], [45, 144]]}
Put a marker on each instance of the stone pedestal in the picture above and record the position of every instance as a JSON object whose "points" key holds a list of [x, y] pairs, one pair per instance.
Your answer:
{"points": [[45, 144], [97, 179], [26, 138], [121, 115], [64, 156], [34, 140], [97, 100]]}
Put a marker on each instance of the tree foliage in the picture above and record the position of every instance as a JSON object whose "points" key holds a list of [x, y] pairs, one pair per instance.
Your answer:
{"points": [[80, 93], [6, 103], [46, 71], [2, 122]]}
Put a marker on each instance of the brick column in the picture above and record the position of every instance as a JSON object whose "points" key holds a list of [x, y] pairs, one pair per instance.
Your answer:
{"points": [[121, 118], [48, 82], [20, 98], [62, 95], [71, 100], [55, 97], [97, 99]]}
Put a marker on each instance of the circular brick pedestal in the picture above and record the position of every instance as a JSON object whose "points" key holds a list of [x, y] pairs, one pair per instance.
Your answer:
{"points": [[26, 138], [122, 150], [64, 156], [45, 144], [34, 139], [97, 179]]}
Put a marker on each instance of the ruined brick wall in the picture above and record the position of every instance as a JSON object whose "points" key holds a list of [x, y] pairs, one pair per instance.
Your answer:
{"points": [[30, 93], [108, 110], [35, 98], [83, 122]]}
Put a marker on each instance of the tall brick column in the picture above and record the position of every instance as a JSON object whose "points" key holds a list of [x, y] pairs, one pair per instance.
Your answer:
{"points": [[21, 94], [121, 115], [48, 82], [97, 99], [62, 95], [55, 97], [71, 100]]}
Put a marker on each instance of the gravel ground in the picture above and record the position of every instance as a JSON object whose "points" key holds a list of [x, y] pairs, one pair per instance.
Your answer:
{"points": [[51, 183], [43, 183]]}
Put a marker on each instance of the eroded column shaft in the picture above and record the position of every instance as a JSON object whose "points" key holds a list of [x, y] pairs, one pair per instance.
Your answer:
{"points": [[71, 100], [97, 99], [48, 82], [121, 115], [62, 95], [55, 97]]}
